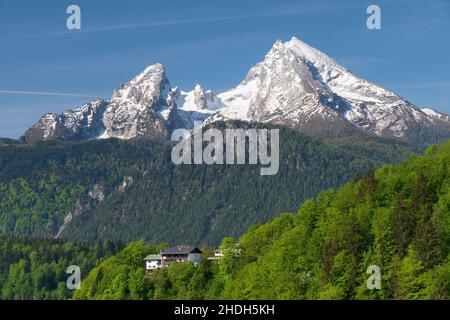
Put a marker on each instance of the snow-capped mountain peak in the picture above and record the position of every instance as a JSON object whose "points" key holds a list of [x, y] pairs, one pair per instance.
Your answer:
{"points": [[144, 89], [299, 86], [199, 99], [282, 88], [195, 105], [304, 50], [82, 123], [436, 115], [295, 85], [134, 106]]}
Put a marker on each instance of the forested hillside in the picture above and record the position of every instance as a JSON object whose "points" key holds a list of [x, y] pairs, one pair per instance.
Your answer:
{"points": [[36, 269], [128, 190], [397, 218]]}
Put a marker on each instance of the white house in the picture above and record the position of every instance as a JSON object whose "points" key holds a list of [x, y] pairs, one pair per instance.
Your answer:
{"points": [[166, 257], [152, 262], [217, 255], [180, 254]]}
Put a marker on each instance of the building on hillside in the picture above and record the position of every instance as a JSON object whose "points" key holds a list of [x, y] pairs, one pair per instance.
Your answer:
{"points": [[152, 262], [178, 254], [217, 255]]}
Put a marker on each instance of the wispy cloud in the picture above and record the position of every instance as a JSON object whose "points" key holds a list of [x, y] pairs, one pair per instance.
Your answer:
{"points": [[268, 12], [46, 93], [272, 12]]}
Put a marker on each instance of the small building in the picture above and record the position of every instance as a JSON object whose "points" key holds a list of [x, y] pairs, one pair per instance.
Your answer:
{"points": [[218, 254], [178, 254], [152, 262]]}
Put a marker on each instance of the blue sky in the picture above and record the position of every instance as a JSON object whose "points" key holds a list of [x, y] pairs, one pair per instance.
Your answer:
{"points": [[46, 68]]}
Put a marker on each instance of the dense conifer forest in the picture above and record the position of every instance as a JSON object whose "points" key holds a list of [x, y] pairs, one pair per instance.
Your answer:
{"points": [[129, 190], [396, 218]]}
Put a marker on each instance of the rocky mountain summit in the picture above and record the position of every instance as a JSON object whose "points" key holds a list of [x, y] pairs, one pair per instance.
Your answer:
{"points": [[295, 85]]}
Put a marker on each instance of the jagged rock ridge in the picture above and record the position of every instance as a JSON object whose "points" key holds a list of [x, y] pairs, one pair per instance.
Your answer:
{"points": [[295, 85]]}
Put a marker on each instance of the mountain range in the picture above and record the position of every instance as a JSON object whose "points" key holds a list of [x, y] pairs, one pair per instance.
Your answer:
{"points": [[80, 184], [296, 86], [100, 171]]}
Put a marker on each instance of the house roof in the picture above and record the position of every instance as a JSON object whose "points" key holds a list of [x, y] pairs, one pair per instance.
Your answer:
{"points": [[151, 257], [181, 250]]}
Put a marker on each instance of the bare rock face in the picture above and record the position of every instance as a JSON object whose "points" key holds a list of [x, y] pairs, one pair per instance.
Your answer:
{"points": [[146, 106], [134, 106], [82, 123]]}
